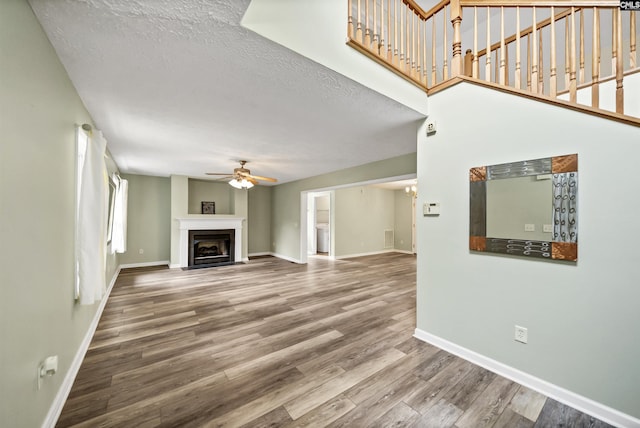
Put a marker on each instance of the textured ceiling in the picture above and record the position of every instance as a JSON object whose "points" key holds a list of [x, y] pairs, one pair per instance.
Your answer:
{"points": [[179, 87]]}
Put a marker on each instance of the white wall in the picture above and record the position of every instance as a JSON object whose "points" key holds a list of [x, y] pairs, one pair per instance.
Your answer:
{"points": [[578, 315]]}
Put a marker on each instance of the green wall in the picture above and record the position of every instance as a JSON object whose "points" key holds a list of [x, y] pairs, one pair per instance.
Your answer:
{"points": [[259, 219], [285, 230], [39, 109], [149, 225], [403, 219], [362, 214], [203, 190]]}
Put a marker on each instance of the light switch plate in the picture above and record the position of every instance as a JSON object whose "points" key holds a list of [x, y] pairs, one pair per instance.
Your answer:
{"points": [[529, 227]]}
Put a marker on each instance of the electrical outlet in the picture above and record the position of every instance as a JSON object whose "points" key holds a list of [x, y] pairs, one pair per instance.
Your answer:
{"points": [[141, 251], [547, 228], [529, 227], [521, 334]]}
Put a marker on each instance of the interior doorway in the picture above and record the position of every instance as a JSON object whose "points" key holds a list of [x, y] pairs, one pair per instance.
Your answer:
{"points": [[319, 224]]}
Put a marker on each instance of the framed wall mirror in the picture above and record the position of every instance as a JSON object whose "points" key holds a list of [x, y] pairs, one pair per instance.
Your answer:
{"points": [[527, 208]]}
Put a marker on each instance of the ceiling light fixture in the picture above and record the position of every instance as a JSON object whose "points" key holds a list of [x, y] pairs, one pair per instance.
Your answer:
{"points": [[411, 191], [241, 184]]}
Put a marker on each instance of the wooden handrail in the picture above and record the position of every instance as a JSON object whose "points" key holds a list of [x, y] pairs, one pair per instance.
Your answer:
{"points": [[396, 34], [540, 3], [527, 31]]}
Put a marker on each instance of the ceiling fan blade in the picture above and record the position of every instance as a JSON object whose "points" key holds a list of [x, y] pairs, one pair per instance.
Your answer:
{"points": [[259, 177], [251, 180], [218, 173]]}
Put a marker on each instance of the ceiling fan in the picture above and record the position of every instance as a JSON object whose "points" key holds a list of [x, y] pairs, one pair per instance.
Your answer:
{"points": [[242, 177]]}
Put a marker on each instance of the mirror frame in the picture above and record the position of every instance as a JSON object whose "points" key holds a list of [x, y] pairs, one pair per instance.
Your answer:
{"points": [[564, 172]]}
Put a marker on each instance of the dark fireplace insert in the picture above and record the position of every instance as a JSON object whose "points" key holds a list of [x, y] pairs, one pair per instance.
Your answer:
{"points": [[209, 248]]}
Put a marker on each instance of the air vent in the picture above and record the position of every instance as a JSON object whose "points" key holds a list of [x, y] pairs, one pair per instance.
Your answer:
{"points": [[388, 238]]}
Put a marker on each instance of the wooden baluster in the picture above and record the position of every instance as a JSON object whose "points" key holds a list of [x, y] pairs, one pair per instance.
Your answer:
{"points": [[595, 60], [389, 38], [506, 67], [573, 96], [413, 46], [445, 56], [540, 64], [614, 42], [381, 50], [566, 53], [424, 54], [468, 63], [529, 62], [402, 46], [434, 74], [632, 40], [476, 66], [367, 29], [374, 33], [503, 59], [496, 65], [553, 83], [518, 76], [581, 75], [534, 53], [456, 20], [409, 55], [350, 27], [619, 64], [359, 24], [487, 68], [396, 54]]}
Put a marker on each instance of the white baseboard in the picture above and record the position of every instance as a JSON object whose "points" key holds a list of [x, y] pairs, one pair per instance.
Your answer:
{"points": [[287, 258], [371, 253], [586, 405], [174, 266], [61, 397], [263, 253], [404, 252], [145, 264]]}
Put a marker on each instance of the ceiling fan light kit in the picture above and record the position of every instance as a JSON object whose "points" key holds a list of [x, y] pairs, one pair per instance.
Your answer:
{"points": [[241, 178], [242, 184]]}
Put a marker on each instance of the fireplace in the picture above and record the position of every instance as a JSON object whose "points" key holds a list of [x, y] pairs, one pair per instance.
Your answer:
{"points": [[211, 248]]}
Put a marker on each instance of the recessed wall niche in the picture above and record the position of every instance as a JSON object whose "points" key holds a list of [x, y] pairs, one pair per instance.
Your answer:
{"points": [[526, 208], [205, 190]]}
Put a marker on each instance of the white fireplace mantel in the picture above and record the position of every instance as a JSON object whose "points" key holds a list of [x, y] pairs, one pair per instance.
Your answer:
{"points": [[209, 222]]}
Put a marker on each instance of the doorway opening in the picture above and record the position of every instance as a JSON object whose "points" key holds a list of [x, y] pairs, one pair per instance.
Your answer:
{"points": [[319, 224]]}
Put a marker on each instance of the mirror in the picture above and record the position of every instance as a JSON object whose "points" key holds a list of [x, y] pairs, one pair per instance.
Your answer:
{"points": [[527, 208]]}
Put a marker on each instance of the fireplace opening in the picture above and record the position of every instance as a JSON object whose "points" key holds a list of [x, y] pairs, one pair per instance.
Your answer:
{"points": [[209, 248]]}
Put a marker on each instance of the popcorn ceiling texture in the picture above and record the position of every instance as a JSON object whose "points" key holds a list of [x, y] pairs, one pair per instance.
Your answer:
{"points": [[179, 87]]}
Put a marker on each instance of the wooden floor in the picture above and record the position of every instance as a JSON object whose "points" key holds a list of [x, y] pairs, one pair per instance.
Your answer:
{"points": [[275, 344]]}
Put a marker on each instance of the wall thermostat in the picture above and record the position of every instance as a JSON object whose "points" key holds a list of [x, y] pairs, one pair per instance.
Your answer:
{"points": [[431, 208]]}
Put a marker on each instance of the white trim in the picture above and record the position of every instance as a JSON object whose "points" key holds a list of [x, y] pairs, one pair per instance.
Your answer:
{"points": [[287, 258], [404, 252], [145, 264], [65, 388], [586, 405], [263, 253], [209, 222], [372, 253]]}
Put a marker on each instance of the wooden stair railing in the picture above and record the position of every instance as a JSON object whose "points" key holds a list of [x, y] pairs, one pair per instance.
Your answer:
{"points": [[414, 43]]}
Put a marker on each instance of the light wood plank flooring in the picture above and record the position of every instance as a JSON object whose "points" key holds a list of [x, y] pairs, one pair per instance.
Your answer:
{"points": [[275, 344]]}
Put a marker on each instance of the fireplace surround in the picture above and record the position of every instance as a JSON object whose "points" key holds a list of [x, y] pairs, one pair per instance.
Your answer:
{"points": [[210, 223]]}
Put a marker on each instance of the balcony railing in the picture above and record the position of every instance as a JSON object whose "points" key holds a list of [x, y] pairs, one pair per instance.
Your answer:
{"points": [[566, 50]]}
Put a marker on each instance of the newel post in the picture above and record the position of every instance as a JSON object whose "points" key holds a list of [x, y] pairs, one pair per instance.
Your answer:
{"points": [[456, 20]]}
